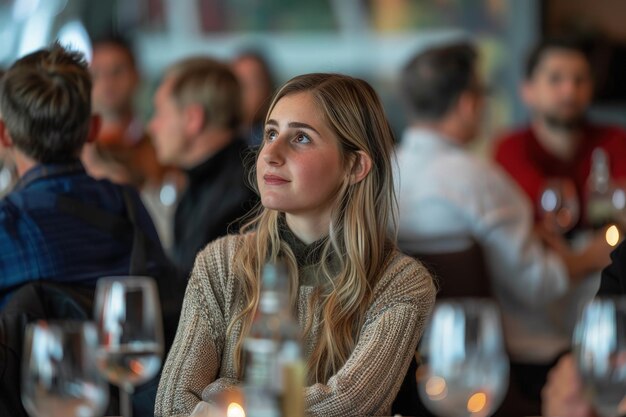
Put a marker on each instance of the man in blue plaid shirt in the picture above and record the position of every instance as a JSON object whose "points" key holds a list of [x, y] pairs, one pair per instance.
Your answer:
{"points": [[59, 224]]}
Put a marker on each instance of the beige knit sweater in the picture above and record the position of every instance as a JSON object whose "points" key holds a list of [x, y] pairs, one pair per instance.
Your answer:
{"points": [[201, 358]]}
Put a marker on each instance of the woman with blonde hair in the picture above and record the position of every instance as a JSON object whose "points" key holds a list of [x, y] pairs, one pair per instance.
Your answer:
{"points": [[324, 174]]}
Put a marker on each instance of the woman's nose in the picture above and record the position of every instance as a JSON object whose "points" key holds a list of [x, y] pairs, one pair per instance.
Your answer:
{"points": [[272, 153]]}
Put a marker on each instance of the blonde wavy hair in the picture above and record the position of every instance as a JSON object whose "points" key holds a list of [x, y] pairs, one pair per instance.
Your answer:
{"points": [[359, 244]]}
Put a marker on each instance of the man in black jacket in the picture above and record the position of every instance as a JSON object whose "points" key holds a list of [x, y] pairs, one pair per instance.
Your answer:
{"points": [[197, 116]]}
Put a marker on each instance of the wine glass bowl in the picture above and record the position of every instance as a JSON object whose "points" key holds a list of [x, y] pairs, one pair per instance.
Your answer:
{"points": [[559, 208], [600, 350], [59, 375], [128, 318], [464, 370]]}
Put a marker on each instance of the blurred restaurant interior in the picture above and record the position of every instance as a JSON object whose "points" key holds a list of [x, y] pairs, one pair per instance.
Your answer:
{"points": [[367, 38]]}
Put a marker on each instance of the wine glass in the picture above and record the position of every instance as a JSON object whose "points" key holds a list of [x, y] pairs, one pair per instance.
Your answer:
{"points": [[600, 350], [464, 370], [559, 208], [128, 317], [59, 374]]}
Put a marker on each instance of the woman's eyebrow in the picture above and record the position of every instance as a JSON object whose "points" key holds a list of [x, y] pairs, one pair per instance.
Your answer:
{"points": [[300, 125], [296, 125]]}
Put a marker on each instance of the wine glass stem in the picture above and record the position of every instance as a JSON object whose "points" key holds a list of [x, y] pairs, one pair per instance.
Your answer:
{"points": [[126, 406]]}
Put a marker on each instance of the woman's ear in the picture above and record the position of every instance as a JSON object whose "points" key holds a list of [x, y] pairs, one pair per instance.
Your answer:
{"points": [[361, 166]]}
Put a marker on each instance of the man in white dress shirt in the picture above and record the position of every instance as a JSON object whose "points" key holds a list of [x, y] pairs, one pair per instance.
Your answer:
{"points": [[447, 196]]}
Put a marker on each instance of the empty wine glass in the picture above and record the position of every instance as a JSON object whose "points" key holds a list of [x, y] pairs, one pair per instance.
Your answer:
{"points": [[559, 208], [600, 351], [130, 332], [464, 370], [59, 374]]}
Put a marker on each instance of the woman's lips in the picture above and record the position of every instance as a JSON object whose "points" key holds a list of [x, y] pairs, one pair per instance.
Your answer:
{"points": [[274, 180]]}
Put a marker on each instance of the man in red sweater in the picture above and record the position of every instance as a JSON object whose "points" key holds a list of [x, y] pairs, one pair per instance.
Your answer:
{"points": [[559, 140]]}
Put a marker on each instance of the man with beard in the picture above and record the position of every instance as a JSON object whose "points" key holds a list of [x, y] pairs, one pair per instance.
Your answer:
{"points": [[559, 140]]}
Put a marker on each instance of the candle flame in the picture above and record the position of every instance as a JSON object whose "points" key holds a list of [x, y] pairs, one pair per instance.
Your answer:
{"points": [[612, 235], [235, 410], [477, 402]]}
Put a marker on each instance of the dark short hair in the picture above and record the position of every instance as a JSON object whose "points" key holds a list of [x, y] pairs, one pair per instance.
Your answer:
{"points": [[211, 84], [539, 51], [433, 80], [116, 41], [45, 102]]}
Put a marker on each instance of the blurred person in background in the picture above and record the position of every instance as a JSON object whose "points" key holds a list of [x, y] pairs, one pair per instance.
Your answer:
{"points": [[8, 172], [559, 139], [123, 152], [196, 127], [59, 224], [257, 86], [46, 120], [447, 195], [324, 174]]}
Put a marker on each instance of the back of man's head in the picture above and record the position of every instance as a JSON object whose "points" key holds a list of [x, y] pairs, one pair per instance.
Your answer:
{"points": [[45, 103], [548, 45], [210, 84], [433, 80]]}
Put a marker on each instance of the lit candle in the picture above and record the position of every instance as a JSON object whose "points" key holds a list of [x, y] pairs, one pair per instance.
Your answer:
{"points": [[477, 402], [612, 235], [235, 410]]}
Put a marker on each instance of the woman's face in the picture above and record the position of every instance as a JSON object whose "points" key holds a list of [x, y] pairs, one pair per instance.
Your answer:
{"points": [[300, 167]]}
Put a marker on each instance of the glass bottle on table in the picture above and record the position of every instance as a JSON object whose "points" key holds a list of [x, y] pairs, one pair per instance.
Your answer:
{"points": [[129, 322], [600, 210], [274, 372]]}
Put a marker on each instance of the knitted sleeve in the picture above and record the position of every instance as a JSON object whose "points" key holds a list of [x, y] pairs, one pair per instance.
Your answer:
{"points": [[195, 358], [371, 377]]}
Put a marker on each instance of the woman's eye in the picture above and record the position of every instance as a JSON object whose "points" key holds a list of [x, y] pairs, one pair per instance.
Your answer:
{"points": [[270, 135], [302, 138]]}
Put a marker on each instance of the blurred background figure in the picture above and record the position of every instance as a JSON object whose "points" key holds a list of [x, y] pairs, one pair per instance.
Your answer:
{"points": [[257, 86], [123, 152], [116, 79], [560, 141], [59, 224], [196, 127], [8, 171], [449, 198]]}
